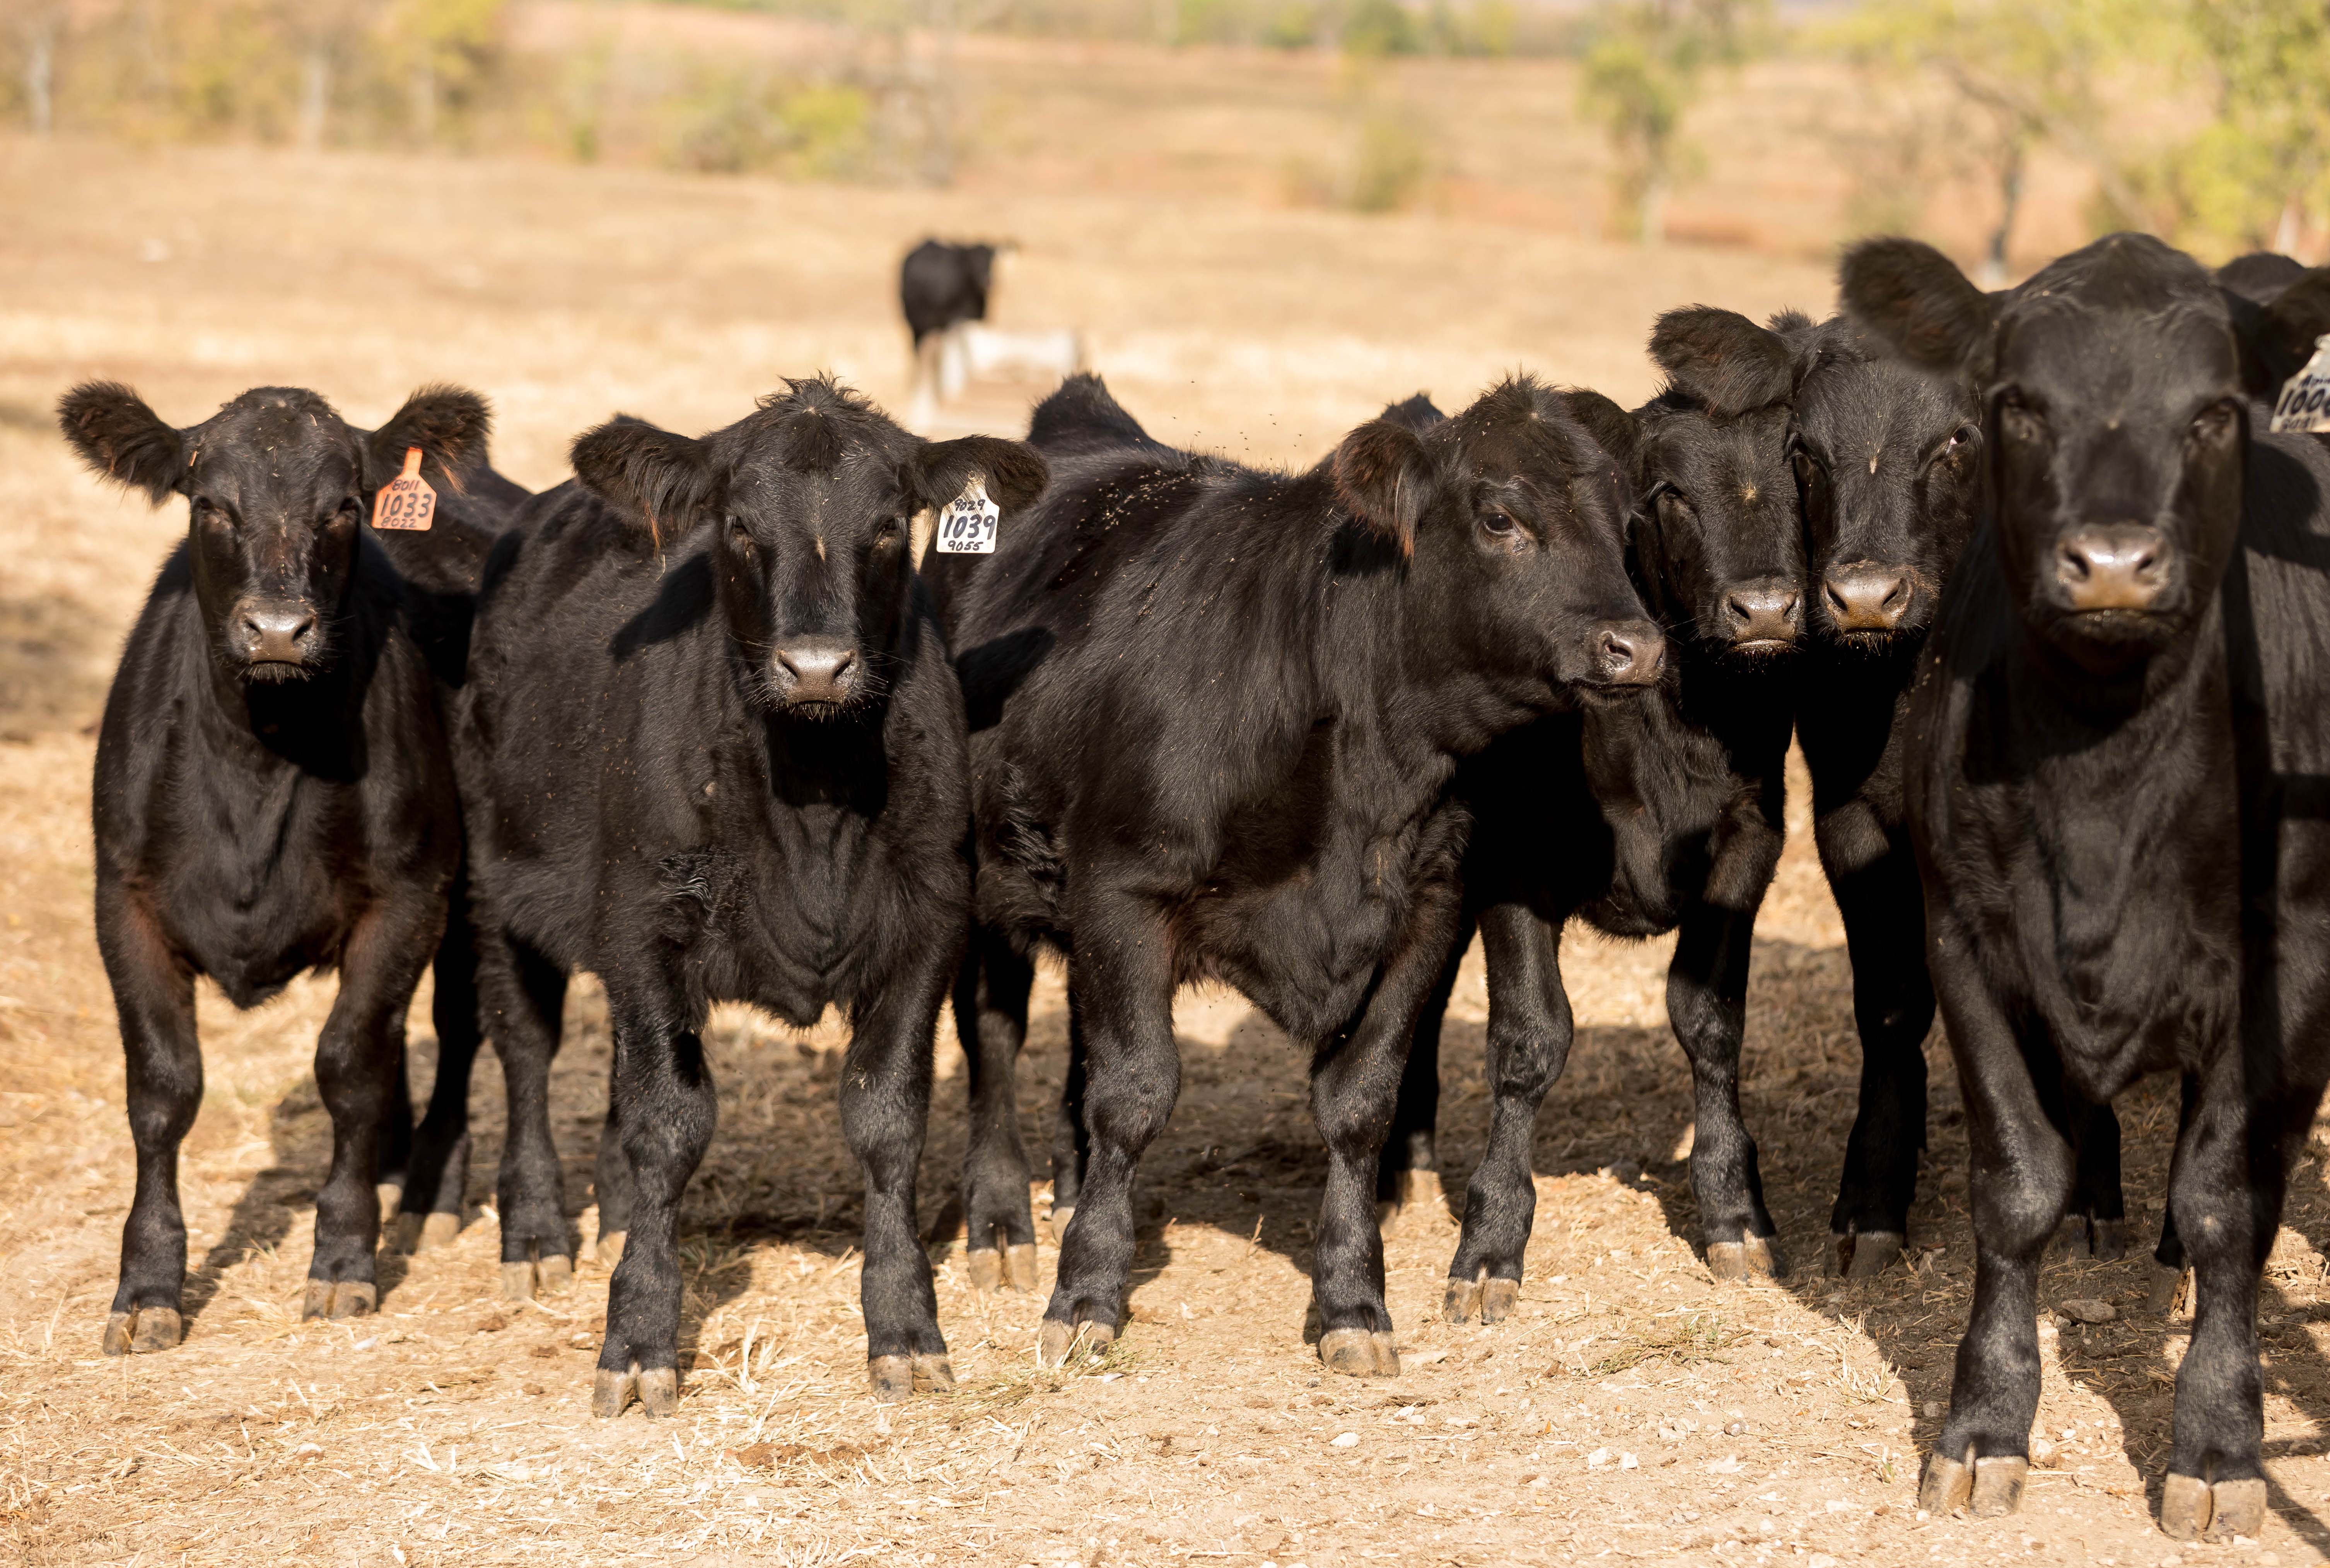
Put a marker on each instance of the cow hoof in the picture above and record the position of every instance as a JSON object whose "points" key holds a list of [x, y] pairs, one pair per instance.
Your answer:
{"points": [[1998, 1485], [2109, 1239], [554, 1274], [1945, 1485], [608, 1249], [142, 1330], [1058, 1341], [1873, 1253], [390, 1196], [934, 1374], [1020, 1266], [611, 1391], [1414, 1192], [407, 1234], [339, 1299], [892, 1377], [1498, 1300], [1357, 1353], [659, 1393], [518, 1280], [1060, 1218], [1749, 1258], [2186, 1507], [2171, 1293], [986, 1266], [1462, 1302], [2237, 1509], [2070, 1236]]}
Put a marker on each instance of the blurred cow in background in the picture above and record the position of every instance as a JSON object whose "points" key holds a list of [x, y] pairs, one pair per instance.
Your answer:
{"points": [[943, 289]]}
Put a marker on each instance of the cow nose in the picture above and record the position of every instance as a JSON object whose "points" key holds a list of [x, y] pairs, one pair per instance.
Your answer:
{"points": [[1628, 653], [2122, 566], [1864, 595], [816, 674], [1764, 611], [276, 634]]}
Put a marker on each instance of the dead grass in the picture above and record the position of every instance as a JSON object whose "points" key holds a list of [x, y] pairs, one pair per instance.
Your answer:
{"points": [[1763, 1424]]}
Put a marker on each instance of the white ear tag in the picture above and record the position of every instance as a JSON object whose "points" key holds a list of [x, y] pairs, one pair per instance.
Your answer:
{"points": [[966, 525], [2305, 405]]}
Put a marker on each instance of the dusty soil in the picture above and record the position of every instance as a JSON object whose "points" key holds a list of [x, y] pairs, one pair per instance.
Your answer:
{"points": [[1634, 1409]]}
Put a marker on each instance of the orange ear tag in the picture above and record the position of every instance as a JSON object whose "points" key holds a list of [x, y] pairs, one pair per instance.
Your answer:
{"points": [[406, 501]]}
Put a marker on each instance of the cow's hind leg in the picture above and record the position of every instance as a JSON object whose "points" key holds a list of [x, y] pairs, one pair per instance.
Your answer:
{"points": [[1071, 1138], [525, 993], [1892, 1009], [885, 1101], [990, 1012], [1408, 1175], [437, 1178], [1529, 1031], [154, 995]]}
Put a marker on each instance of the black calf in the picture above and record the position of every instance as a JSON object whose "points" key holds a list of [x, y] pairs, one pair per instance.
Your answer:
{"points": [[2116, 778], [712, 751], [272, 794], [1215, 713]]}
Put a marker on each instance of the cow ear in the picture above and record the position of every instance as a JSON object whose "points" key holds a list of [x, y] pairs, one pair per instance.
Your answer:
{"points": [[450, 424], [1915, 299], [123, 440], [1012, 473], [1723, 359], [1614, 429], [1418, 413], [1384, 475], [651, 474], [2277, 341]]}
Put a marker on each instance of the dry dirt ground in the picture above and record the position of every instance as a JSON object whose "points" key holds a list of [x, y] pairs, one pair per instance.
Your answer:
{"points": [[1633, 1409]]}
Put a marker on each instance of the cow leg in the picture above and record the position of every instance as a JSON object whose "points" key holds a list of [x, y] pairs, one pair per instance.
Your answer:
{"points": [[1071, 1140], [395, 1172], [2020, 1179], [154, 998], [1407, 1176], [1529, 1031], [1120, 997], [2097, 1223], [1884, 915], [990, 1020], [526, 995], [2228, 1189], [668, 1110], [356, 1074], [1707, 1003], [1354, 1087], [886, 1103], [2172, 1268], [437, 1182]]}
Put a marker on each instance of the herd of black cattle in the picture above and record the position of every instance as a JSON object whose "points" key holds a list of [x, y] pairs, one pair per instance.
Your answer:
{"points": [[2045, 604]]}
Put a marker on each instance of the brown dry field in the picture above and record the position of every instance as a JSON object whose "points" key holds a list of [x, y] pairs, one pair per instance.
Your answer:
{"points": [[1633, 1409]]}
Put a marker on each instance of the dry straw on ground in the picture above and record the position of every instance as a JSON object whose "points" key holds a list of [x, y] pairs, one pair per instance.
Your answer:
{"points": [[1633, 1409]]}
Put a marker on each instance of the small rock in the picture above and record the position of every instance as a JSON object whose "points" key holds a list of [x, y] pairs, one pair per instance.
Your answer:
{"points": [[1820, 1560], [1728, 1465], [1597, 1458], [2087, 1309], [2044, 1454], [1350, 1440], [1629, 1462], [1933, 1410]]}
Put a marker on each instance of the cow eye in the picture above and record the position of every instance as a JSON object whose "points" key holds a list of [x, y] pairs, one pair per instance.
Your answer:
{"points": [[2213, 423], [886, 535], [1498, 522], [1963, 435], [740, 536], [1673, 503], [2018, 419]]}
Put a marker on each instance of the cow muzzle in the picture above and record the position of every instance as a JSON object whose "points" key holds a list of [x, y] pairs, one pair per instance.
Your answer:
{"points": [[1627, 653], [2119, 567], [1861, 596], [275, 639], [815, 674], [1763, 615]]}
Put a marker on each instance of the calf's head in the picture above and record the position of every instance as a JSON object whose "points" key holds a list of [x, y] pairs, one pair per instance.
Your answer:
{"points": [[1887, 463], [1507, 518], [1721, 549], [2114, 386], [810, 499], [277, 488]]}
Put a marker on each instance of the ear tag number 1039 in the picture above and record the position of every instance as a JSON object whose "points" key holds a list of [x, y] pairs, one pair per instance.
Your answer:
{"points": [[2305, 405], [967, 524], [406, 501]]}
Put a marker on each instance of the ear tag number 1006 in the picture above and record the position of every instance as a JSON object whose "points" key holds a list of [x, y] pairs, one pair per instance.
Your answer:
{"points": [[406, 501], [2305, 405], [967, 524]]}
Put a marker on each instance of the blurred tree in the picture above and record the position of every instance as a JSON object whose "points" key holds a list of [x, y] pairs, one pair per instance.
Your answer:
{"points": [[2029, 70], [40, 26], [2258, 176], [447, 48], [1642, 62]]}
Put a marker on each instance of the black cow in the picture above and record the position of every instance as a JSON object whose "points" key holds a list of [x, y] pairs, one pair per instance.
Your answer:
{"points": [[939, 284], [1887, 461], [1215, 713], [272, 795], [1672, 813], [2116, 787], [713, 750]]}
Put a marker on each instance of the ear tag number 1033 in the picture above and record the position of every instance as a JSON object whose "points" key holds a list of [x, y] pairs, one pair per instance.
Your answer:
{"points": [[406, 501], [967, 525], [2305, 405]]}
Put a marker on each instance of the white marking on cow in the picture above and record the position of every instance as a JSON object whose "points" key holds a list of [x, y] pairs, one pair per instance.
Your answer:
{"points": [[820, 547]]}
